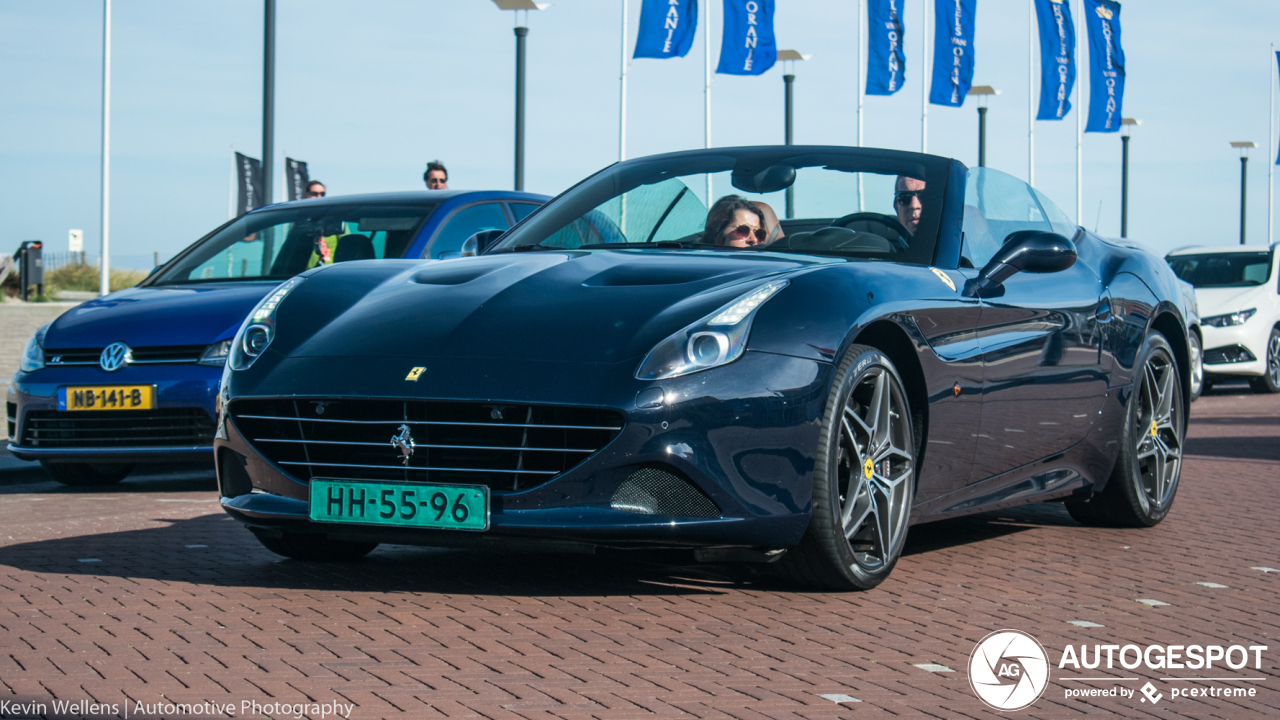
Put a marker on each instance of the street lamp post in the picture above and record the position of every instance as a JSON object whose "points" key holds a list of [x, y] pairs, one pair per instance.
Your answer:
{"points": [[1243, 146], [983, 92], [268, 97], [521, 32], [1126, 125], [788, 132]]}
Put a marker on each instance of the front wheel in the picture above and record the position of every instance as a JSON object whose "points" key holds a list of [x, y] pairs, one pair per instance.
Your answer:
{"points": [[1141, 488], [863, 480], [87, 474], [1270, 382], [301, 546], [1197, 366]]}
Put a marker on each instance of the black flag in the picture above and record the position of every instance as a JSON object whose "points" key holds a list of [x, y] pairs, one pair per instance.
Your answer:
{"points": [[296, 177], [249, 172]]}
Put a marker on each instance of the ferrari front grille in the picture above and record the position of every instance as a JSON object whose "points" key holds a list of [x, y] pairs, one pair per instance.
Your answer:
{"points": [[174, 427], [504, 446]]}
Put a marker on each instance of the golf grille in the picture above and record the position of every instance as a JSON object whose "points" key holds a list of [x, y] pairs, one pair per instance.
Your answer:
{"points": [[501, 445], [177, 427], [165, 355]]}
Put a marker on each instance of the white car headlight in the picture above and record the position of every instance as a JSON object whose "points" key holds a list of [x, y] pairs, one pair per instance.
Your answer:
{"points": [[259, 329], [33, 352], [718, 339], [1235, 318]]}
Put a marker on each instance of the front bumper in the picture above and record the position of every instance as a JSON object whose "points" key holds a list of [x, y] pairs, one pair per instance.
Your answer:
{"points": [[188, 389], [745, 435], [1252, 336]]}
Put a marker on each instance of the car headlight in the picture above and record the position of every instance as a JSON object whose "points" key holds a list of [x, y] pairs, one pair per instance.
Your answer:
{"points": [[216, 354], [1235, 318], [33, 352], [259, 329], [718, 339]]}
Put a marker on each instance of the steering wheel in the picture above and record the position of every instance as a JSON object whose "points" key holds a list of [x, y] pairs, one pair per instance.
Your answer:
{"points": [[901, 242]]}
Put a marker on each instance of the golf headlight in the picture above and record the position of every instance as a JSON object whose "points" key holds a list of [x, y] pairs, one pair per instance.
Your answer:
{"points": [[259, 329], [33, 353], [718, 339], [216, 354], [1235, 318]]}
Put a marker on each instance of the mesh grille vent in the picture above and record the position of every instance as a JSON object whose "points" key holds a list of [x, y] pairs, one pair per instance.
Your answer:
{"points": [[650, 491]]}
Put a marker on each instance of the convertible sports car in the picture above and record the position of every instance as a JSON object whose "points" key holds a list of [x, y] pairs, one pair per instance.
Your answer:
{"points": [[923, 340], [132, 377]]}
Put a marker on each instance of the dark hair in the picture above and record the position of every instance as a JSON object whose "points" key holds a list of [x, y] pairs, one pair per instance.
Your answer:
{"points": [[721, 214], [435, 165], [315, 182]]}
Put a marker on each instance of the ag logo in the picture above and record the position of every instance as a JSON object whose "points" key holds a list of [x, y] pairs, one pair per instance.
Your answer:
{"points": [[1008, 670]]}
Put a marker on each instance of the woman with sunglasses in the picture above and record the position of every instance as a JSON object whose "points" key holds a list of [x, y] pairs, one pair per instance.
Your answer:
{"points": [[735, 222]]}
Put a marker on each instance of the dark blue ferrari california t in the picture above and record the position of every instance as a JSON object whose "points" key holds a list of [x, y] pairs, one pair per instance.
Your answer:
{"points": [[635, 366], [133, 376]]}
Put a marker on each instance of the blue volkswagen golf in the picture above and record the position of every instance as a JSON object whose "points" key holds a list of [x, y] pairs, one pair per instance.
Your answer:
{"points": [[132, 377]]}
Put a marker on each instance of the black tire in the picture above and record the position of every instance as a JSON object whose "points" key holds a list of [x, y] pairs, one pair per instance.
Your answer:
{"points": [[860, 466], [87, 474], [1269, 383], [1196, 353], [305, 546], [1143, 483]]}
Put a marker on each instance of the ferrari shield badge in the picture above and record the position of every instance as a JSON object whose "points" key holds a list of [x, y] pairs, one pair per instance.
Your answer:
{"points": [[944, 278], [414, 374]]}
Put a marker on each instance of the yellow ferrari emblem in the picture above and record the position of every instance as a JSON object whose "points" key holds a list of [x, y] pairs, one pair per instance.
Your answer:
{"points": [[414, 374], [944, 278], [867, 468], [1153, 428]]}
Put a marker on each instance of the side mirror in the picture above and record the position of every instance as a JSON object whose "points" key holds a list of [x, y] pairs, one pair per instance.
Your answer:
{"points": [[478, 243], [1030, 251]]}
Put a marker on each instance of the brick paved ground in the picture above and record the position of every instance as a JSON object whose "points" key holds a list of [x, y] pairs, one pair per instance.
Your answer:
{"points": [[17, 321], [146, 592]]}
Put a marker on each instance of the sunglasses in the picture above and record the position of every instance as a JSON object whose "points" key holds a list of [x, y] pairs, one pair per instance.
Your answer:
{"points": [[743, 231], [313, 193], [905, 197]]}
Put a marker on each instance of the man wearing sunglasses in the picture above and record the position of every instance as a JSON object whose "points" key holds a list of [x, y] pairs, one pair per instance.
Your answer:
{"points": [[315, 189], [906, 201]]}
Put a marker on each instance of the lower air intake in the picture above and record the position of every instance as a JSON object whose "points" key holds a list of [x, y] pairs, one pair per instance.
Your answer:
{"points": [[651, 491]]}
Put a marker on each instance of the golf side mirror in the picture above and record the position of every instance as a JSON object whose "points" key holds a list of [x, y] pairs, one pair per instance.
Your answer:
{"points": [[1031, 251]]}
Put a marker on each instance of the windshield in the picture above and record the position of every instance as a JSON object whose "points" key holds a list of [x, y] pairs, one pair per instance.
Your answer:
{"points": [[842, 202], [1233, 269], [280, 243]]}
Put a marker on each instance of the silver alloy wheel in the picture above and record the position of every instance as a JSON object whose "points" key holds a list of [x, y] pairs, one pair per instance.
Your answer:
{"points": [[1159, 425], [876, 464], [1273, 359], [1197, 366]]}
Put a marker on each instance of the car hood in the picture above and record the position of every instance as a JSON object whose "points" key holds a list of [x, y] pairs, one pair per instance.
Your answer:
{"points": [[1220, 301], [158, 316], [573, 306]]}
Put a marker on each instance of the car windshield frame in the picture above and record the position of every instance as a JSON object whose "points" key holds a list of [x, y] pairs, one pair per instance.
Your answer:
{"points": [[1242, 256], [588, 196], [171, 273]]}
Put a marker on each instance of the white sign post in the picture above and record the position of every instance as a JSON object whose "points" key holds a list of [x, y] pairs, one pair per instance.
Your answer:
{"points": [[75, 241]]}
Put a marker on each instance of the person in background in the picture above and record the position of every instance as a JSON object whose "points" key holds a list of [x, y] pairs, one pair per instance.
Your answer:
{"points": [[735, 222], [906, 201], [436, 177], [772, 228], [315, 189]]}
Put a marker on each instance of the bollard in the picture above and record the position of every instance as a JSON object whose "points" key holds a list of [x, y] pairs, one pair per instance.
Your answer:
{"points": [[30, 261]]}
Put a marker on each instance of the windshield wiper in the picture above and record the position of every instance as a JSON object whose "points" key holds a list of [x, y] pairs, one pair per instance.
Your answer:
{"points": [[523, 248], [660, 245]]}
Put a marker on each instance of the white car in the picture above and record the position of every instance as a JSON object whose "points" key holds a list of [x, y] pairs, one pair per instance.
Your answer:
{"points": [[1238, 294]]}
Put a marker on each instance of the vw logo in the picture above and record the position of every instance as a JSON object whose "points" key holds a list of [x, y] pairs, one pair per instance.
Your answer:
{"points": [[403, 441], [115, 356], [1008, 670]]}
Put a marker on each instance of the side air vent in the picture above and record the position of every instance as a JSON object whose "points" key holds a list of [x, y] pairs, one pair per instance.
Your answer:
{"points": [[653, 491]]}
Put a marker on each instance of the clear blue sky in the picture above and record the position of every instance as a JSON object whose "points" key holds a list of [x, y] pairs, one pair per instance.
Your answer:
{"points": [[368, 91]]}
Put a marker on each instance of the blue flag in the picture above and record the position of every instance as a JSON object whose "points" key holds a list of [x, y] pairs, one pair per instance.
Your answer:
{"points": [[1106, 65], [1057, 58], [952, 51], [667, 28], [747, 46], [886, 63]]}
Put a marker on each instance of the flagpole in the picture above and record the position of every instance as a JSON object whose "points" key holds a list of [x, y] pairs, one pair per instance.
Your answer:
{"points": [[1031, 93], [104, 264], [1271, 142], [924, 84], [706, 30], [231, 189], [622, 110], [1079, 111], [861, 90]]}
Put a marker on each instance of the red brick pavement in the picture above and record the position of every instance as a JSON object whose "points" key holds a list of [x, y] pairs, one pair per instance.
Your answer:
{"points": [[181, 605]]}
